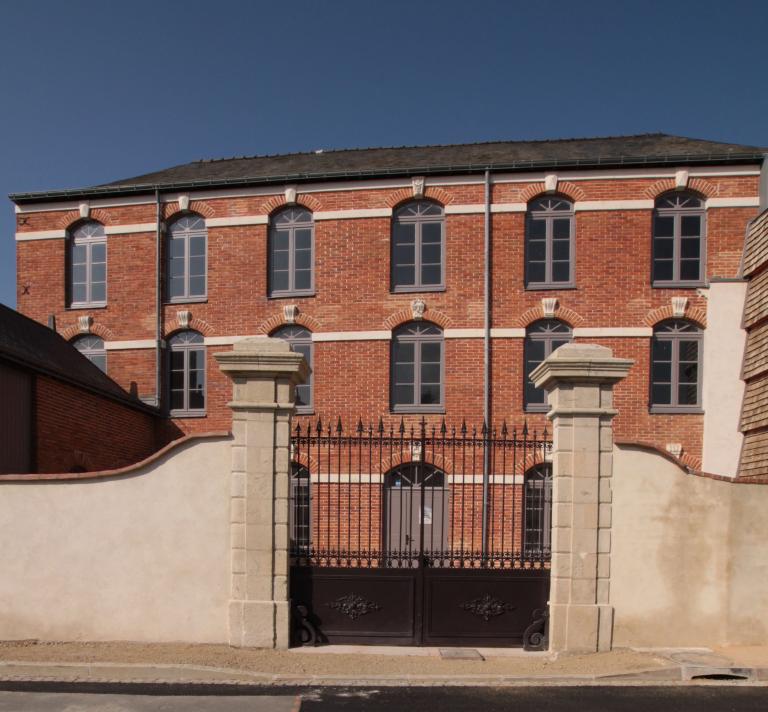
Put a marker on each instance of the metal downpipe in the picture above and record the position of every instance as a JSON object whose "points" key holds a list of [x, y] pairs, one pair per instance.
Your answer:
{"points": [[486, 357]]}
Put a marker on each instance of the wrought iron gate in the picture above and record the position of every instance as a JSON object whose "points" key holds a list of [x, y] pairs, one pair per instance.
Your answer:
{"points": [[425, 535]]}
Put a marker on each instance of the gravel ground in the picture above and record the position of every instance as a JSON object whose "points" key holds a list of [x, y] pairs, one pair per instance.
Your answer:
{"points": [[274, 661]]}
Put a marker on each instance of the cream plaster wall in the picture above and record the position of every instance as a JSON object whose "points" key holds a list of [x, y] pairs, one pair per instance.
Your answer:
{"points": [[143, 557], [689, 564], [722, 387]]}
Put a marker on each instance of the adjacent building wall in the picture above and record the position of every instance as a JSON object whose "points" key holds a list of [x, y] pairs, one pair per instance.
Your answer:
{"points": [[689, 564], [141, 557], [722, 387]]}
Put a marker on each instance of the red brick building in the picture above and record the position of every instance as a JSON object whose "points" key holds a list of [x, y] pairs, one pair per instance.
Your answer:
{"points": [[404, 274]]}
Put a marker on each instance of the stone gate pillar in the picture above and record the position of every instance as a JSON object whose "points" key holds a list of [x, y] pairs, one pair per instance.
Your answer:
{"points": [[579, 380], [264, 373]]}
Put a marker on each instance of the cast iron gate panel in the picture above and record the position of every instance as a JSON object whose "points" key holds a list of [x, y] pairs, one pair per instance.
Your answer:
{"points": [[420, 536]]}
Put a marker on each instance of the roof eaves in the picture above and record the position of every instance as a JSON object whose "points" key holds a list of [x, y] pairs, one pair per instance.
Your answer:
{"points": [[450, 169]]}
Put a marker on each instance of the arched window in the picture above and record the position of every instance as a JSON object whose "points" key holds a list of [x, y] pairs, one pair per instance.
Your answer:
{"points": [[541, 339], [537, 542], [678, 240], [186, 374], [92, 347], [549, 243], [291, 253], [187, 259], [88, 265], [417, 368], [301, 510], [676, 367], [300, 340], [417, 247]]}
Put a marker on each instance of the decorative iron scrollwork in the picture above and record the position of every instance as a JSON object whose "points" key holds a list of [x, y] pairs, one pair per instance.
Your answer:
{"points": [[303, 629], [536, 636], [487, 607], [354, 606]]}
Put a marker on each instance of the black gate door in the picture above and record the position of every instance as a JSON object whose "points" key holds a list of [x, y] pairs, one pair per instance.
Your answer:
{"points": [[419, 536]]}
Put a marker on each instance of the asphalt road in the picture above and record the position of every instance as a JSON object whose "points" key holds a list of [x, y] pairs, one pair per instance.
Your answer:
{"points": [[700, 698]]}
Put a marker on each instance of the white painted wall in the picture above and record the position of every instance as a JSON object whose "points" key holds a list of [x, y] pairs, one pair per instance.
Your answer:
{"points": [[722, 387], [143, 557]]}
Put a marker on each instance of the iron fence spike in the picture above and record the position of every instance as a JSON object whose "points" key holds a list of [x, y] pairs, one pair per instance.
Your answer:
{"points": [[443, 429], [360, 425], [338, 425]]}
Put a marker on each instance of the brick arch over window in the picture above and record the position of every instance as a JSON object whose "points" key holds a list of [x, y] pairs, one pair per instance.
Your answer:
{"points": [[406, 314], [276, 320], [171, 210], [96, 330], [70, 219], [705, 188], [405, 457], [405, 195], [695, 314], [310, 202], [305, 460], [564, 188], [536, 313], [171, 326]]}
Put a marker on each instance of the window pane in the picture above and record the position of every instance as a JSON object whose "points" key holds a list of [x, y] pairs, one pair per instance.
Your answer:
{"points": [[303, 394], [279, 281], [662, 372], [303, 279], [536, 272], [99, 360], [303, 259], [177, 400], [430, 394], [430, 352], [404, 352], [403, 395], [177, 380], [430, 373], [687, 394], [196, 359], [78, 273], [197, 266], [79, 254], [430, 253], [537, 228], [177, 248], [404, 373], [196, 400], [533, 395], [197, 246], [662, 270], [431, 233], [663, 226], [176, 268], [689, 269], [537, 250], [196, 286], [98, 292], [99, 252], [280, 259], [405, 254], [280, 239], [561, 250], [404, 234], [78, 293], [689, 350], [561, 228], [404, 275], [534, 350], [560, 271], [431, 274], [303, 239], [664, 249], [662, 350], [661, 394], [689, 373], [690, 225], [690, 248], [176, 287]]}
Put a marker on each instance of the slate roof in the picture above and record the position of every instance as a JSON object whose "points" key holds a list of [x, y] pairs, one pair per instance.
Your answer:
{"points": [[643, 149], [34, 346]]}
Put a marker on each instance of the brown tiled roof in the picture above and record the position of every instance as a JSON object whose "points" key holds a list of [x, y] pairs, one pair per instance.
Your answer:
{"points": [[643, 149]]}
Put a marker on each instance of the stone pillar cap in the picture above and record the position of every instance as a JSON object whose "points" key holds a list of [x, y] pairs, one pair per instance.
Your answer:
{"points": [[263, 356], [580, 363]]}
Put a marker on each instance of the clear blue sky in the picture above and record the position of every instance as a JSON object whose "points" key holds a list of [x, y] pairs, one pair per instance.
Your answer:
{"points": [[99, 90]]}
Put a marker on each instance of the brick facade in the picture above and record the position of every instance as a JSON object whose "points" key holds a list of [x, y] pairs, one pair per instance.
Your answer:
{"points": [[352, 255]]}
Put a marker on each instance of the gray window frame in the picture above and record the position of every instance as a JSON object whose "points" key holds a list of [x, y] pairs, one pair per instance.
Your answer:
{"points": [[304, 339], [548, 338], [548, 216], [696, 333], [399, 335], [677, 213], [291, 228], [400, 216], [186, 348], [87, 346], [185, 235], [538, 477], [76, 238]]}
